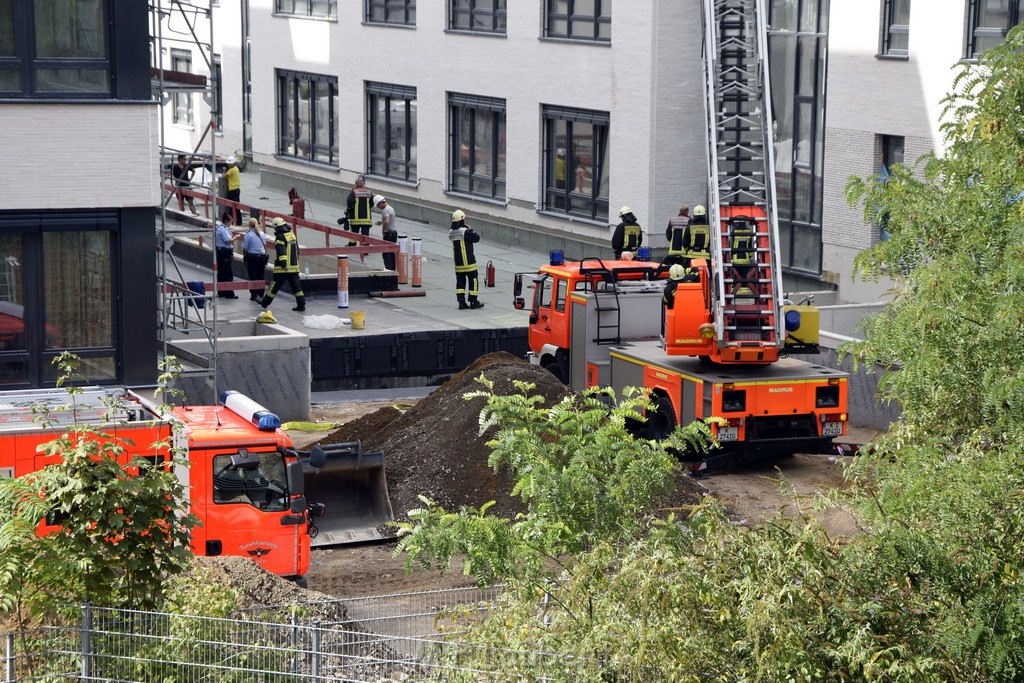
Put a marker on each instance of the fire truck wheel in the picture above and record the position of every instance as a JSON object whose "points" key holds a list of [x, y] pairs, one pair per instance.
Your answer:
{"points": [[662, 420], [555, 368]]}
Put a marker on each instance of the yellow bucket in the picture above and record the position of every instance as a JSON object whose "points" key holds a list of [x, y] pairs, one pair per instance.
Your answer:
{"points": [[358, 319]]}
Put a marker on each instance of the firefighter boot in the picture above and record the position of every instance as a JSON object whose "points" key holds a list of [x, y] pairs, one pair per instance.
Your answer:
{"points": [[462, 301], [475, 304]]}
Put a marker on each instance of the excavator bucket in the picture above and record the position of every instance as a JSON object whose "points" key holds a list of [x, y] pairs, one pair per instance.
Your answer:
{"points": [[352, 486]]}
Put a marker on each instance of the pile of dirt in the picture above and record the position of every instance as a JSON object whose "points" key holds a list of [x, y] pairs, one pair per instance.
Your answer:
{"points": [[435, 448]]}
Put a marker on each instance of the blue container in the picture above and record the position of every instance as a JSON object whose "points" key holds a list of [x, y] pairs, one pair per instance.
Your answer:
{"points": [[643, 254], [557, 258]]}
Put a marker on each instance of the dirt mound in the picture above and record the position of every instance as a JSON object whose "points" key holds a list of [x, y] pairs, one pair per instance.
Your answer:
{"points": [[435, 449]]}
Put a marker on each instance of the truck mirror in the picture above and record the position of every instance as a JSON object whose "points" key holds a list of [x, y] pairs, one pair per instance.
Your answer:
{"points": [[317, 457], [517, 288], [298, 505], [519, 303], [296, 479], [534, 318], [244, 460]]}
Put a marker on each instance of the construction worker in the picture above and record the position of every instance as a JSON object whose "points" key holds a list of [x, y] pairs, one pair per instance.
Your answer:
{"points": [[467, 279], [628, 235], [388, 227], [357, 209], [286, 266], [233, 178], [697, 236], [674, 234]]}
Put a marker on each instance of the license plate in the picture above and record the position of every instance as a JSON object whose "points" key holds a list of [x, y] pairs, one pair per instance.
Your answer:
{"points": [[832, 429], [728, 433]]}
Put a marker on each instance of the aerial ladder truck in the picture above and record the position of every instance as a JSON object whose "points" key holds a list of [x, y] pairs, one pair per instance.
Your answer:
{"points": [[722, 351]]}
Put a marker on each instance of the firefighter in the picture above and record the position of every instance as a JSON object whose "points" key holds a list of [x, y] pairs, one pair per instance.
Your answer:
{"points": [[677, 274], [357, 209], [674, 234], [697, 236], [628, 235], [286, 265], [743, 255], [467, 279]]}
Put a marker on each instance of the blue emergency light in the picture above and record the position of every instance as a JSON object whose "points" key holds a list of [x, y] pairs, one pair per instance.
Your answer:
{"points": [[242, 405], [557, 258]]}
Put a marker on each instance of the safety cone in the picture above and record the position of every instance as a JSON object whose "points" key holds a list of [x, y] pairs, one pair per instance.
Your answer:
{"points": [[266, 317]]}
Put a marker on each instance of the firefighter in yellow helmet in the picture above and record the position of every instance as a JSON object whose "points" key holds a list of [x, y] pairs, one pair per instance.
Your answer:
{"points": [[628, 235], [696, 242], [467, 278]]}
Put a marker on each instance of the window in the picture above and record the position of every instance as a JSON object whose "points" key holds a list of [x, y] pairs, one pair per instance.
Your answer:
{"points": [[579, 19], [891, 152], [54, 48], [307, 8], [218, 93], [988, 21], [181, 60], [307, 104], [399, 12], [391, 131], [477, 150], [484, 16], [797, 47], [895, 27], [256, 479], [576, 162]]}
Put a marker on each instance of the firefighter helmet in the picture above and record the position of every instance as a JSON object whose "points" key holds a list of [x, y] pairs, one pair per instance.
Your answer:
{"points": [[623, 211], [699, 210], [458, 215], [277, 222], [676, 272]]}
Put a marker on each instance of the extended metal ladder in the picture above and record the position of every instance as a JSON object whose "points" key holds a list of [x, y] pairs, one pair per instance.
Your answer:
{"points": [[746, 298], [20, 409]]}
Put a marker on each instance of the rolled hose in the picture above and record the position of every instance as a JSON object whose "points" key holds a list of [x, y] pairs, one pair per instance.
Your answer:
{"points": [[310, 426]]}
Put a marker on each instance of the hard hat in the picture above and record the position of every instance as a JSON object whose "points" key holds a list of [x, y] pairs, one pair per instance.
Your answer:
{"points": [[699, 210], [277, 222], [458, 215], [378, 199], [676, 272], [230, 160], [624, 210]]}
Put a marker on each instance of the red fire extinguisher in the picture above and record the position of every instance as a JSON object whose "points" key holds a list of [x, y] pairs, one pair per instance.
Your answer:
{"points": [[489, 276]]}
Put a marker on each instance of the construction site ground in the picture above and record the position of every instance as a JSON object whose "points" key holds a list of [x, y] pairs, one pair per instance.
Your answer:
{"points": [[432, 448]]}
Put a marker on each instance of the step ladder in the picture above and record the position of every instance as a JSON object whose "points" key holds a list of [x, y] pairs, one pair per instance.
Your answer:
{"points": [[606, 301], [747, 294]]}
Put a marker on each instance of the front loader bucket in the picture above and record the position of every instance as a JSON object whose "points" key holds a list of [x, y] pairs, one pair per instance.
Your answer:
{"points": [[352, 486]]}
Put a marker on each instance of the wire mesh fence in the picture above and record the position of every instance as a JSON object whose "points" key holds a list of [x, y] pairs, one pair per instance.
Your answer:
{"points": [[404, 637]]}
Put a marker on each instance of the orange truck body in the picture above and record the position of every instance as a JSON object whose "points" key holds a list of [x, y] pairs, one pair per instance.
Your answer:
{"points": [[237, 480], [602, 324]]}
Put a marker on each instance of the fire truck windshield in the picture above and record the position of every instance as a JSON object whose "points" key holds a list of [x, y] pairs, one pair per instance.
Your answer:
{"points": [[256, 479]]}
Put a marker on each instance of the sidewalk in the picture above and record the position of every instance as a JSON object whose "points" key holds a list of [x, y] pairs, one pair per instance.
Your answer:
{"points": [[437, 310]]}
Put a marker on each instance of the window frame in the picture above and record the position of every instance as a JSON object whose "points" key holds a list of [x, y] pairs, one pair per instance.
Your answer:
{"points": [[406, 7], [494, 12], [891, 30], [976, 33], [28, 65], [310, 5], [182, 112], [598, 18], [460, 105], [391, 93], [288, 80], [598, 205]]}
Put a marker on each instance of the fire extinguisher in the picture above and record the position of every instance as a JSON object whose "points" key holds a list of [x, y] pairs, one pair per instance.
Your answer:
{"points": [[489, 274]]}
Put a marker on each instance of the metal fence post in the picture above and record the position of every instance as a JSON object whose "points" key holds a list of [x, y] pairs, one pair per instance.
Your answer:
{"points": [[86, 642], [9, 660], [314, 647]]}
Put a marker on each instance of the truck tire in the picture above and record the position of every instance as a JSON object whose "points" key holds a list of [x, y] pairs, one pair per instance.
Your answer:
{"points": [[661, 421], [555, 368]]}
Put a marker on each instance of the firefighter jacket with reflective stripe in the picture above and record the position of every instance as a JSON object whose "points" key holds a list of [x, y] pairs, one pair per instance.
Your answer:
{"points": [[697, 240], [627, 237], [287, 248], [742, 243], [359, 206], [463, 239], [674, 234]]}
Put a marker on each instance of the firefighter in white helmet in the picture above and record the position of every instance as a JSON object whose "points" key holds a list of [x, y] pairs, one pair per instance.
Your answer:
{"points": [[467, 278], [628, 235]]}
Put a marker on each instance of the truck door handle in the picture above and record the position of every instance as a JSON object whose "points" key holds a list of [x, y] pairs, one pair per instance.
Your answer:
{"points": [[547, 328]]}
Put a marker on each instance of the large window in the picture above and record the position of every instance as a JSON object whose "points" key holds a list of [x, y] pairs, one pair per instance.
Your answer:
{"points": [[54, 48], [181, 60], [391, 131], [895, 27], [477, 134], [797, 43], [890, 149], [398, 12], [307, 8], [576, 162], [579, 19], [484, 16], [307, 104], [988, 21]]}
